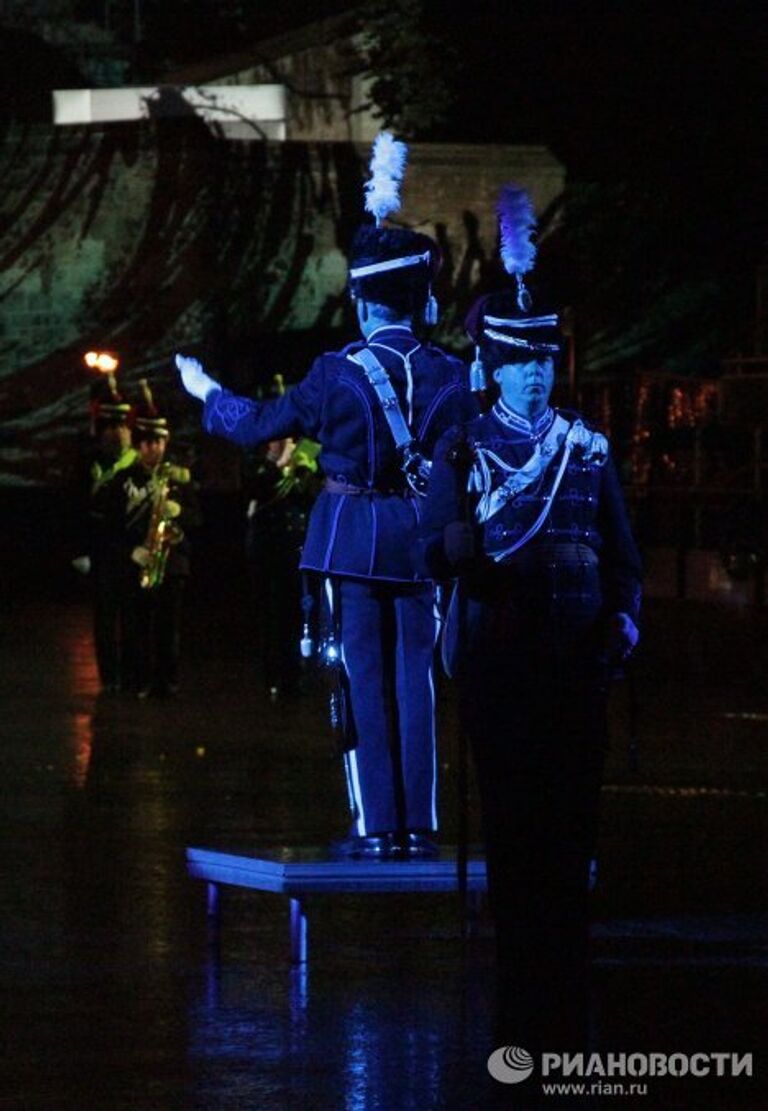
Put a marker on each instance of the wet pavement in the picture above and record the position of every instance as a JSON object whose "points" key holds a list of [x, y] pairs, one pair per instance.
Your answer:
{"points": [[117, 994]]}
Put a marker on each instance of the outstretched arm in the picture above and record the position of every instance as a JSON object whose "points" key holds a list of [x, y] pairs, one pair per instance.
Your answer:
{"points": [[194, 378], [246, 422]]}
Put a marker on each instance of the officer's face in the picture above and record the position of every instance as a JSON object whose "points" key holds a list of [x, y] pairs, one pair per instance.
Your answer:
{"points": [[526, 387]]}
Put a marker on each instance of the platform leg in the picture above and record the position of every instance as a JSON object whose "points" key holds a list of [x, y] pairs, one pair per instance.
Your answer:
{"points": [[474, 902], [298, 999], [298, 927], [213, 934], [213, 977], [212, 899]]}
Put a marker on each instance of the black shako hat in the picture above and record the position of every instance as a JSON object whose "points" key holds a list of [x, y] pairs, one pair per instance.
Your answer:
{"points": [[504, 325], [148, 424], [107, 405]]}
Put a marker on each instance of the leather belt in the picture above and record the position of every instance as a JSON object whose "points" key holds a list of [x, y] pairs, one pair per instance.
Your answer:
{"points": [[334, 486]]}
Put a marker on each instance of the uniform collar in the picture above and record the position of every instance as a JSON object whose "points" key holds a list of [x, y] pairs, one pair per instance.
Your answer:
{"points": [[391, 331], [535, 428]]}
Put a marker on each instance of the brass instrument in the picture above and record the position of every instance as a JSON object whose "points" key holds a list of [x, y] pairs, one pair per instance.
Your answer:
{"points": [[163, 532]]}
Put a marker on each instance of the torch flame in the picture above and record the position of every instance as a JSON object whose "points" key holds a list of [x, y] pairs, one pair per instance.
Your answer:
{"points": [[101, 360]]}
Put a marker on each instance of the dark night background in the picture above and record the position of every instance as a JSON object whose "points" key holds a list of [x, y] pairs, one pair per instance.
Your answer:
{"points": [[659, 114], [114, 993]]}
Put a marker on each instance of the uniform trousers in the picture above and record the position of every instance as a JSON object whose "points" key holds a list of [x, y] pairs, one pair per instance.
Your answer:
{"points": [[111, 583], [533, 706], [153, 642], [388, 633]]}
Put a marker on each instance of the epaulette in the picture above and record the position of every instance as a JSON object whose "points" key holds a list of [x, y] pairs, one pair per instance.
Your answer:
{"points": [[572, 414]]}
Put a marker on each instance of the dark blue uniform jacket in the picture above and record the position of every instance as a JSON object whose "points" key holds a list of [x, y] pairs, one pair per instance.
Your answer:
{"points": [[588, 509], [370, 533]]}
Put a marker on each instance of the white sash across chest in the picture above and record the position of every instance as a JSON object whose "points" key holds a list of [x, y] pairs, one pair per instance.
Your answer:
{"points": [[517, 478], [592, 447]]}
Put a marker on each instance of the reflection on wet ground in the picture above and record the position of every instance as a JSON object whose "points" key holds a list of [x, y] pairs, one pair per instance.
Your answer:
{"points": [[119, 996]]}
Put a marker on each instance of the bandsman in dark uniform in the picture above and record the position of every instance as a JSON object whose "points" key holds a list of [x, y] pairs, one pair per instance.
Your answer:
{"points": [[160, 508], [525, 508], [377, 408], [108, 558]]}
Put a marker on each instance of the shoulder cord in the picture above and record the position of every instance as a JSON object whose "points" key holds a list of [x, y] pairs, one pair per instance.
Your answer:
{"points": [[595, 448], [549, 500], [517, 478]]}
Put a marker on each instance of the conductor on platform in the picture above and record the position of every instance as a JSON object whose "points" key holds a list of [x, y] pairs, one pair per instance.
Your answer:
{"points": [[377, 408]]}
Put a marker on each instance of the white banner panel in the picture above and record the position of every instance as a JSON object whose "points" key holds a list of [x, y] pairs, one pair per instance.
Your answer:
{"points": [[214, 103]]}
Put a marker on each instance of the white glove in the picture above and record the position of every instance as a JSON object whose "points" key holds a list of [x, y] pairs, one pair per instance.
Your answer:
{"points": [[194, 378], [82, 564]]}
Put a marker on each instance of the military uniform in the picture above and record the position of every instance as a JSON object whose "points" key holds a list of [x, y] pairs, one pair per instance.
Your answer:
{"points": [[529, 634], [377, 409], [525, 507], [150, 612], [360, 534], [110, 568]]}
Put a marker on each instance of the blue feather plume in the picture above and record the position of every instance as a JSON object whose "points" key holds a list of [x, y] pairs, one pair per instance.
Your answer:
{"points": [[517, 222], [387, 169]]}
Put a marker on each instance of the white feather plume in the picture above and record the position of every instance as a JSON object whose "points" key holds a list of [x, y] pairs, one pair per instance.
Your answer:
{"points": [[517, 222], [382, 190]]}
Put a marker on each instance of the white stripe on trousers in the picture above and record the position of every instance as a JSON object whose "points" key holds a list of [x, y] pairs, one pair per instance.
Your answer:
{"points": [[354, 794]]}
